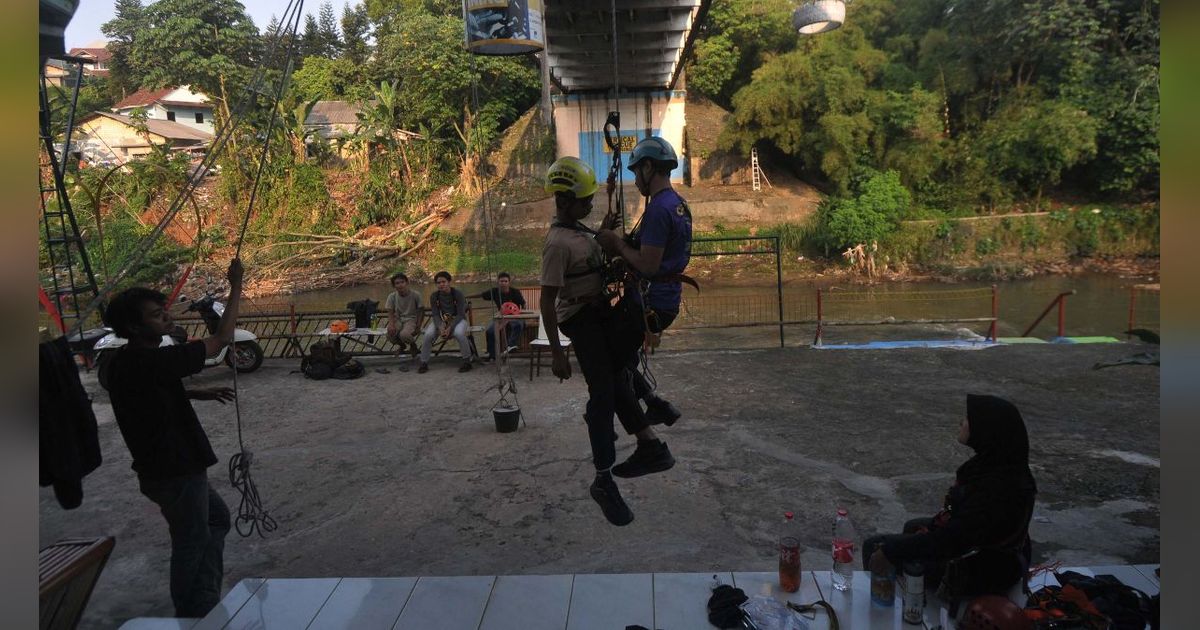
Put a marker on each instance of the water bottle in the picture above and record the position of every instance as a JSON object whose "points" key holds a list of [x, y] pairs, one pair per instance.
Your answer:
{"points": [[914, 593], [789, 555], [843, 551]]}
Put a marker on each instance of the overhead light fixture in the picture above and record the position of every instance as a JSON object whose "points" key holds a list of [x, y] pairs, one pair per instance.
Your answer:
{"points": [[819, 16]]}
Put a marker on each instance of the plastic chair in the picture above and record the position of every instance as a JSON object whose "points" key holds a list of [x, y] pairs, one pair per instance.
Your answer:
{"points": [[542, 341]]}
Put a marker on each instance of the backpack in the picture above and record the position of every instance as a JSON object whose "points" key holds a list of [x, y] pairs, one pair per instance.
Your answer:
{"points": [[324, 361]]}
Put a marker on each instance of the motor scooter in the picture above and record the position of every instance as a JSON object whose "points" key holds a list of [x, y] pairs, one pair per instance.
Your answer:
{"points": [[246, 357]]}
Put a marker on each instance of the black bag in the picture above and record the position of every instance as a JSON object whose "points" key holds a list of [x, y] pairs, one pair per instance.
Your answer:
{"points": [[986, 571], [323, 361], [626, 325], [349, 370]]}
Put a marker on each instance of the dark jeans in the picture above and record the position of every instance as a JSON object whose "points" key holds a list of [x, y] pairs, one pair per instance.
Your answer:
{"points": [[604, 343], [933, 568], [198, 520], [659, 322], [512, 336]]}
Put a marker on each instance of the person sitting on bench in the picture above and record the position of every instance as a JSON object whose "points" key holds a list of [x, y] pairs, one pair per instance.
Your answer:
{"points": [[447, 316], [404, 314], [498, 296], [989, 505]]}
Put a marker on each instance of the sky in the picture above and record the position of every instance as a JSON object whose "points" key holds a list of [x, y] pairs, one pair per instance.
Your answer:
{"points": [[85, 26]]}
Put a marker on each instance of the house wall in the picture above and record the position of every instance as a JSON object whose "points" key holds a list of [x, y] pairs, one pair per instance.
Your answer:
{"points": [[579, 126], [104, 140]]}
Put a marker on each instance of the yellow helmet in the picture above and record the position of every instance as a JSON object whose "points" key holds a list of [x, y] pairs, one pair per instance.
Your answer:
{"points": [[573, 175]]}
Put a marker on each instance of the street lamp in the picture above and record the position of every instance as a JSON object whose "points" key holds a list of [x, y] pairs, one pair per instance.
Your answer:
{"points": [[819, 16]]}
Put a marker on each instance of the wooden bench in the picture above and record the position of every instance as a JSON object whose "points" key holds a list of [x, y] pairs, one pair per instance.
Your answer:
{"points": [[67, 572]]}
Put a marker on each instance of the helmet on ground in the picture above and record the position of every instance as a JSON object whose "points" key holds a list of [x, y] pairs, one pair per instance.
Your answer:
{"points": [[994, 612], [573, 175], [510, 308], [653, 148]]}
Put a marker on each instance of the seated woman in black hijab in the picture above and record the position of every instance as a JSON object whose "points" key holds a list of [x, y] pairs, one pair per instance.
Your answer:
{"points": [[988, 507]]}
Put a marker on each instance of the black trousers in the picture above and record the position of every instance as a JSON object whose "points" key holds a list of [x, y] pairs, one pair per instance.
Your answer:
{"points": [[933, 568], [659, 322], [198, 521], [606, 341]]}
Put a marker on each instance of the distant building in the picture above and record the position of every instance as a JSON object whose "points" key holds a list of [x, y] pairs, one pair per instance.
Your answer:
{"points": [[99, 55], [176, 104], [108, 138], [58, 73], [336, 121]]}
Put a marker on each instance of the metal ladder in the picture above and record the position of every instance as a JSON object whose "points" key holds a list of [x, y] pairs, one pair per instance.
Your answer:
{"points": [[754, 170], [69, 273], [757, 176]]}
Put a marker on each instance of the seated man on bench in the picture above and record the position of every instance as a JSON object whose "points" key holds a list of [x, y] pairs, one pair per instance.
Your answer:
{"points": [[404, 316], [447, 316], [498, 296]]}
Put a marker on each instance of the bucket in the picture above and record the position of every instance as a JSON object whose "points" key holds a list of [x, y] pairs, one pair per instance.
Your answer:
{"points": [[507, 418]]}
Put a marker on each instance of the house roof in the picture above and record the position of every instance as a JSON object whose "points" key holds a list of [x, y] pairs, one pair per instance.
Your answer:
{"points": [[142, 98], [333, 113], [166, 128], [100, 54]]}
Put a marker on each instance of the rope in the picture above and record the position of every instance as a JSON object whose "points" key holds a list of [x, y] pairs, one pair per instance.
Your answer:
{"points": [[251, 515]]}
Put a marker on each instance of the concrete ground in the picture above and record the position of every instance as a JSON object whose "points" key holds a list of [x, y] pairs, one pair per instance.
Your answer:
{"points": [[401, 474]]}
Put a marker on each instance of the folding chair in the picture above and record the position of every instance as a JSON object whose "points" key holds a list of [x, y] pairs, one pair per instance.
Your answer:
{"points": [[67, 572], [542, 341]]}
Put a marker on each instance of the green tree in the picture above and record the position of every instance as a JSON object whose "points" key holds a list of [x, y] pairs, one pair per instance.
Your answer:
{"points": [[356, 27], [1033, 143], [737, 37], [331, 41], [209, 44], [872, 214], [129, 19], [310, 38]]}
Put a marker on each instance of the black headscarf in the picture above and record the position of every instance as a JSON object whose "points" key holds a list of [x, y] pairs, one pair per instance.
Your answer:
{"points": [[1001, 444]]}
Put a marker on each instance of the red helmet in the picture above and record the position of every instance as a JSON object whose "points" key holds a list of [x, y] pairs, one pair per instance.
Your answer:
{"points": [[510, 308], [994, 612]]}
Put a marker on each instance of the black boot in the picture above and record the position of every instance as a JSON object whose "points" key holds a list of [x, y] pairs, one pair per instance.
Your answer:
{"points": [[604, 491], [660, 411], [650, 456]]}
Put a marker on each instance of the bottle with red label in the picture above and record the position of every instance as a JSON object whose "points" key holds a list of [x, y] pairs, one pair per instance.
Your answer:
{"points": [[789, 555], [843, 551]]}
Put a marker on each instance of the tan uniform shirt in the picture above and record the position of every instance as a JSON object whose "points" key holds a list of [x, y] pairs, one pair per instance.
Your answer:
{"points": [[568, 252], [407, 306]]}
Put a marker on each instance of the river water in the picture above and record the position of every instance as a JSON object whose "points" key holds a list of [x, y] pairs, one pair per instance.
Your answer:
{"points": [[1100, 306]]}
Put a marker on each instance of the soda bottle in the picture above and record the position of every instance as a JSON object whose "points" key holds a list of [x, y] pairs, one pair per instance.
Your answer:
{"points": [[789, 555], [843, 551]]}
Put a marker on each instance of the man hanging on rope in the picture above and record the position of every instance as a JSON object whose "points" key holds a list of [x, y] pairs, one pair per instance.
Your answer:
{"points": [[657, 251], [171, 452], [605, 336]]}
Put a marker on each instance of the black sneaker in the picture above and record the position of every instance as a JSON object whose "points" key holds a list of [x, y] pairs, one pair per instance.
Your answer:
{"points": [[465, 367], [423, 368], [660, 411], [604, 492], [648, 457]]}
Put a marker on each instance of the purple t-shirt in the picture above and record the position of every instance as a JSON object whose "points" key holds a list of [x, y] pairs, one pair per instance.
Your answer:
{"points": [[667, 223]]}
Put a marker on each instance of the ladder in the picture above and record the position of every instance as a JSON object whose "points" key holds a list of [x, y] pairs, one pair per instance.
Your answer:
{"points": [[757, 176], [754, 170], [68, 274]]}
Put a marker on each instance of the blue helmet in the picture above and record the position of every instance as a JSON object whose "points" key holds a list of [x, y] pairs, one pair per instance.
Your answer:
{"points": [[653, 148]]}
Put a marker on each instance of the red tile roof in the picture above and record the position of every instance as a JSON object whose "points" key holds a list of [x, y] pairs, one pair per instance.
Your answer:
{"points": [[143, 98], [100, 54]]}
